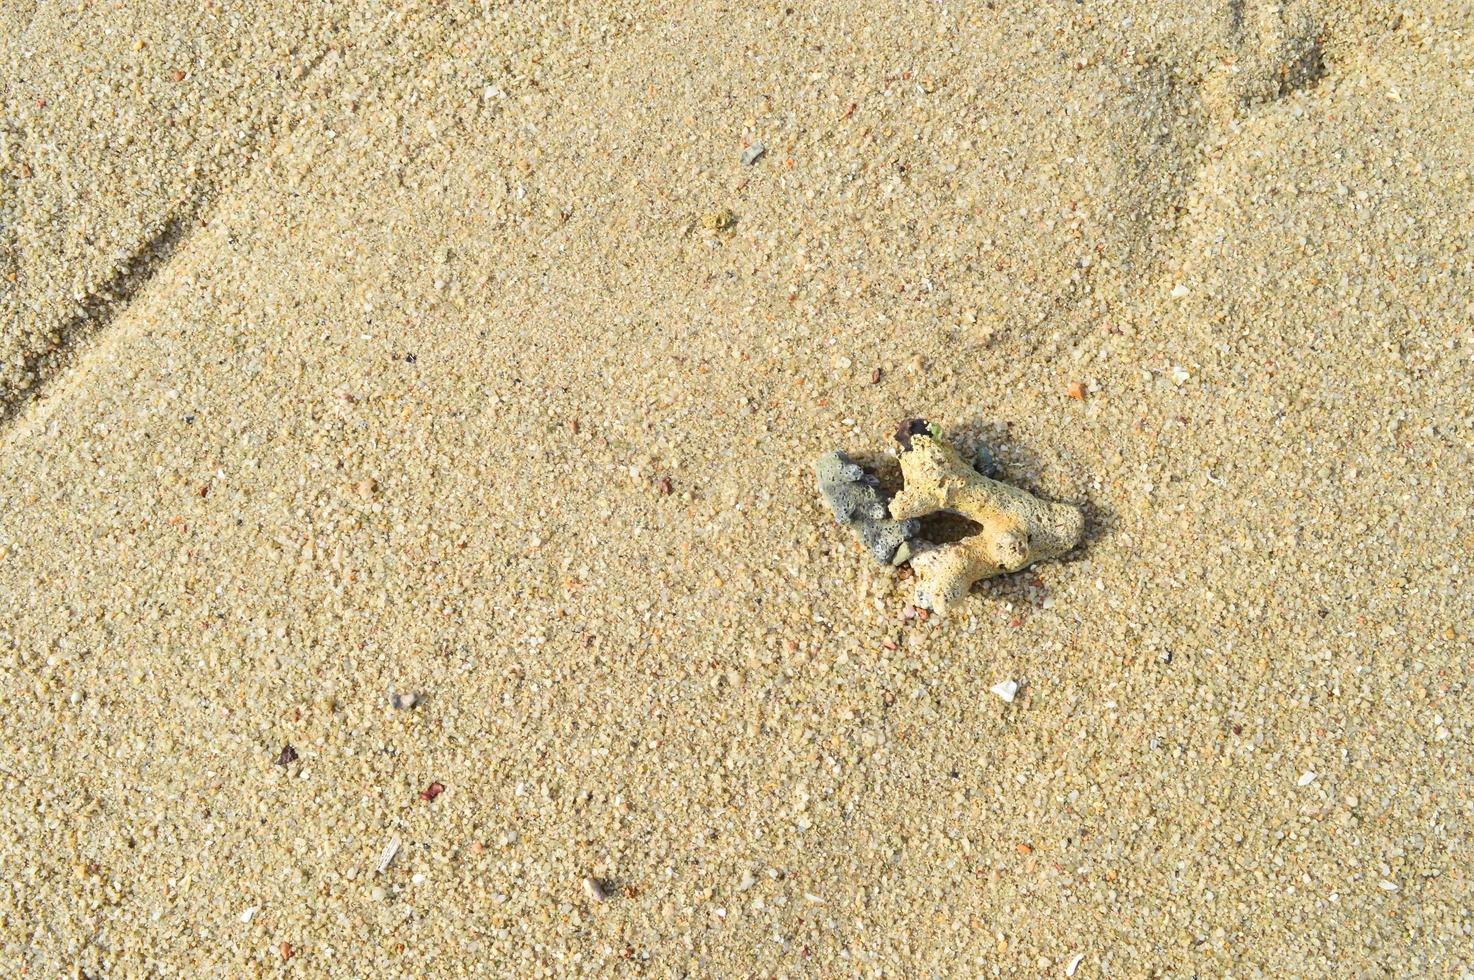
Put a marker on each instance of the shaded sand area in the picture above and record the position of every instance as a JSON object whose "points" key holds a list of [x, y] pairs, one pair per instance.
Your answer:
{"points": [[388, 349]]}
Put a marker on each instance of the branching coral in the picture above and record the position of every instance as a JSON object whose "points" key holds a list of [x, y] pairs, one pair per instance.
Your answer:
{"points": [[1017, 528], [855, 497]]}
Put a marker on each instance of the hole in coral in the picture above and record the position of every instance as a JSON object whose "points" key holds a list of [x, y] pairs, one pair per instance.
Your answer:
{"points": [[946, 528]]}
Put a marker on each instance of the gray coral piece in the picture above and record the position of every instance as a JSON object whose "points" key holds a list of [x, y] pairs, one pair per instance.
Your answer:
{"points": [[856, 499]]}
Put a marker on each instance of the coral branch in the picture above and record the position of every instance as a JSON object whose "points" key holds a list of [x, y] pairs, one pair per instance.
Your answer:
{"points": [[1017, 527], [854, 496]]}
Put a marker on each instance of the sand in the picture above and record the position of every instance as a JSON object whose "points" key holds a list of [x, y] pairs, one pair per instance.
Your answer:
{"points": [[389, 349]]}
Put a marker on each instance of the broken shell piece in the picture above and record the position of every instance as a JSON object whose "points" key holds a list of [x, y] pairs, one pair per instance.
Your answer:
{"points": [[594, 890], [855, 497], [1018, 528], [387, 858], [1005, 690]]}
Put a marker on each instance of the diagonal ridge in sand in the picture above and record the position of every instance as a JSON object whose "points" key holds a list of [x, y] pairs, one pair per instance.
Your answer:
{"points": [[104, 302], [100, 308]]}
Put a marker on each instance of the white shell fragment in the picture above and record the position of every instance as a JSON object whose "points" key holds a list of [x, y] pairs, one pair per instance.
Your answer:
{"points": [[387, 858], [1005, 690]]}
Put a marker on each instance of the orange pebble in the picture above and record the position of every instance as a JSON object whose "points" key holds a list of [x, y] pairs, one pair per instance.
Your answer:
{"points": [[1077, 391]]}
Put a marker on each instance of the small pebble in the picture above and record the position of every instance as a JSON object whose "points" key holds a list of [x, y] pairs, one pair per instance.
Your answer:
{"points": [[366, 487], [723, 219], [1306, 779], [403, 702], [984, 463], [1005, 690], [594, 890], [1077, 391], [1074, 964], [753, 153]]}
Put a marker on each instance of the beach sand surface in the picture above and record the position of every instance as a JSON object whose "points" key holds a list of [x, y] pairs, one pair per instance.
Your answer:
{"points": [[451, 350]]}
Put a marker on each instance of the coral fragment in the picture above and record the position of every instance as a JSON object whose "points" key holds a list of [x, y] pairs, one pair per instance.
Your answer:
{"points": [[855, 497], [1017, 528]]}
